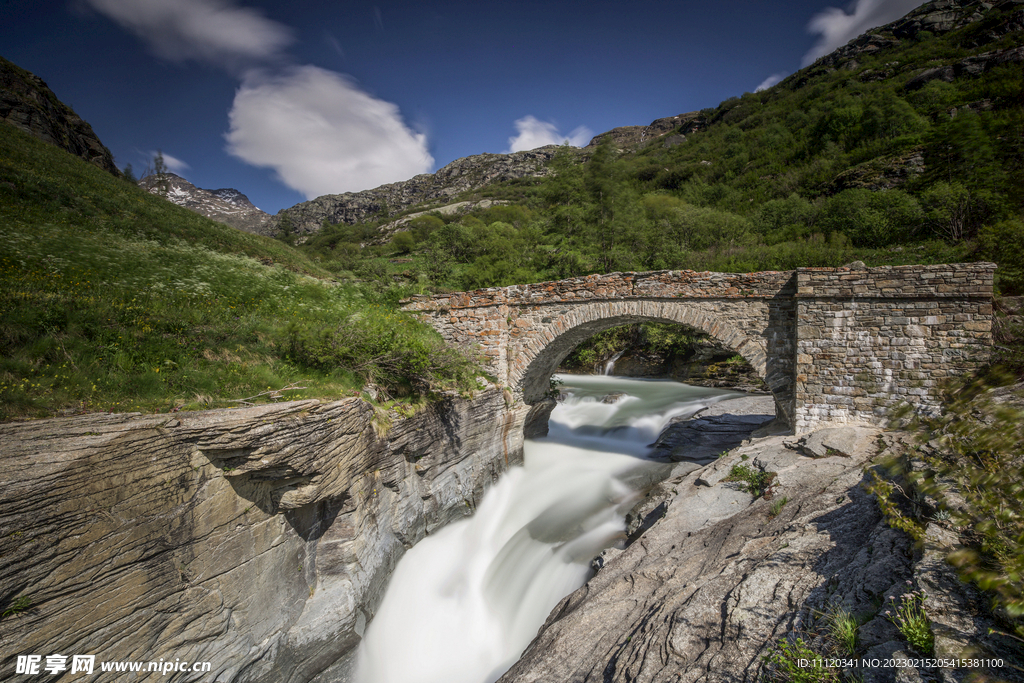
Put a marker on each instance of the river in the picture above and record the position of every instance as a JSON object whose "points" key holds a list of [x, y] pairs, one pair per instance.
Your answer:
{"points": [[465, 602]]}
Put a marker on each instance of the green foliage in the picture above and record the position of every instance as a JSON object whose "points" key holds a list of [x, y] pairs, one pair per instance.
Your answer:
{"points": [[1004, 241], [114, 299], [872, 219], [662, 339], [884, 489], [422, 226], [776, 507], [390, 349], [403, 242], [16, 606], [909, 616], [842, 629], [756, 482], [980, 444], [793, 661]]}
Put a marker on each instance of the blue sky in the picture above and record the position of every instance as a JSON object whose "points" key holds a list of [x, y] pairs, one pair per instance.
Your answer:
{"points": [[288, 101]]}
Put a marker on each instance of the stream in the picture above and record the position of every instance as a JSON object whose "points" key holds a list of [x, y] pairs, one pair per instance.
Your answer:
{"points": [[465, 602]]}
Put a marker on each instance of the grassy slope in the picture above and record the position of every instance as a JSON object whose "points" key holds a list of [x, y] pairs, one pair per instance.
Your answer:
{"points": [[114, 299]]}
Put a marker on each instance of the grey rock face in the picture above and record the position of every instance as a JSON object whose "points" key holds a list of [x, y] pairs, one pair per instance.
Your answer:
{"points": [[461, 175], [841, 441], [713, 578], [701, 595], [26, 102], [938, 16], [631, 137], [227, 205], [259, 539]]}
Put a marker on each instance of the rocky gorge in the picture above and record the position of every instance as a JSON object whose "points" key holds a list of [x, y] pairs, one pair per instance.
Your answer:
{"points": [[258, 539], [261, 539]]}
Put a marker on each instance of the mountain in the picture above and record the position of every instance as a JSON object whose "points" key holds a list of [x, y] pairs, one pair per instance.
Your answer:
{"points": [[673, 128], [27, 103], [995, 20], [441, 187], [469, 174], [227, 205]]}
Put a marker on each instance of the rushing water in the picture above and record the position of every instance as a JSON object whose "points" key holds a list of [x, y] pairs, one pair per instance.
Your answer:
{"points": [[465, 602]]}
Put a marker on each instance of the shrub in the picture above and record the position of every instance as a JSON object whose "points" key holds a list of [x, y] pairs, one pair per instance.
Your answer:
{"points": [[756, 482], [391, 350], [873, 219], [403, 242]]}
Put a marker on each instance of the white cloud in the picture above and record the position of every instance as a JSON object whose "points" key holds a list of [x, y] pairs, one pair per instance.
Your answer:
{"points": [[837, 28], [321, 133], [534, 133], [770, 81], [215, 31]]}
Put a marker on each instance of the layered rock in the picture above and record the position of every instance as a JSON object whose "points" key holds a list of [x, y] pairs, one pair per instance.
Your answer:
{"points": [[719, 577], [673, 129], [462, 175], [26, 102], [227, 205], [258, 539]]}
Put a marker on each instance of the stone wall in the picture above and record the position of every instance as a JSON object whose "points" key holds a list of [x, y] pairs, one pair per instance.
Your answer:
{"points": [[258, 539], [872, 339], [831, 344]]}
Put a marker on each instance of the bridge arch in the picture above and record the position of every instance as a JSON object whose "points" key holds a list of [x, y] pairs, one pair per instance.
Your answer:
{"points": [[542, 349]]}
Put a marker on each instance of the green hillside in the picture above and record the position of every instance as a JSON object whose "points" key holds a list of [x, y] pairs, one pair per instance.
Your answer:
{"points": [[908, 150], [115, 299]]}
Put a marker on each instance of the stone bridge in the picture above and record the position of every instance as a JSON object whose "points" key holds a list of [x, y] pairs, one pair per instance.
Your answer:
{"points": [[833, 344]]}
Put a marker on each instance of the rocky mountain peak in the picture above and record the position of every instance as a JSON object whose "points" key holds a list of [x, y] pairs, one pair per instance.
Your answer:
{"points": [[226, 205], [26, 102], [441, 187], [936, 17]]}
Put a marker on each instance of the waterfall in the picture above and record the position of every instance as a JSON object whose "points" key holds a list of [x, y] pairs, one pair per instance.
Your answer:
{"points": [[465, 602], [610, 364]]}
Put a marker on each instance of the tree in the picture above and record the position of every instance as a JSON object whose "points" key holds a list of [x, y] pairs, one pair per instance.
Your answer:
{"points": [[160, 171], [403, 242], [129, 175], [286, 229]]}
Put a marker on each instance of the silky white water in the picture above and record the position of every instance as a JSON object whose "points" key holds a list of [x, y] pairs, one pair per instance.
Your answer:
{"points": [[465, 602]]}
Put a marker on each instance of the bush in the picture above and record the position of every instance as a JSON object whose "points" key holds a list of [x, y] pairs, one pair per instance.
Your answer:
{"points": [[873, 219], [403, 242], [1004, 244], [753, 481], [390, 349]]}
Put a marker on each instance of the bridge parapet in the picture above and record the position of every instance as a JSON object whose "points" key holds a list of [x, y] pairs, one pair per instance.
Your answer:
{"points": [[661, 284], [833, 344]]}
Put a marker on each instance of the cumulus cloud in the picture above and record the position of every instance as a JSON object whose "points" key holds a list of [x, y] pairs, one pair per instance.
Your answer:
{"points": [[770, 81], [321, 134], [533, 133], [215, 31], [836, 27]]}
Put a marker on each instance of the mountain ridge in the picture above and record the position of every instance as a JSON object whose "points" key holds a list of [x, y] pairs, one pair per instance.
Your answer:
{"points": [[226, 205], [27, 103]]}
